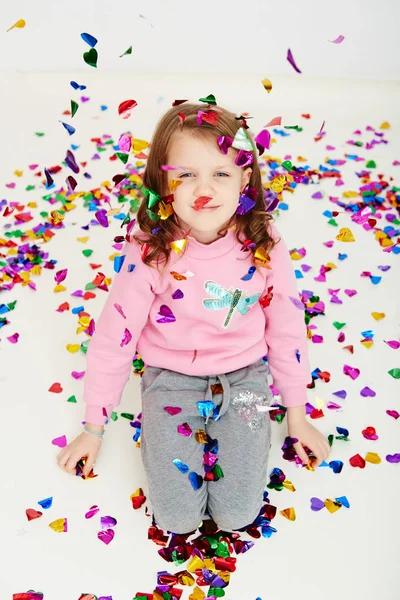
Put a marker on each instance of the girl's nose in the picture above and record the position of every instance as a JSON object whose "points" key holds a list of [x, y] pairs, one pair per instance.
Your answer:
{"points": [[203, 187]]}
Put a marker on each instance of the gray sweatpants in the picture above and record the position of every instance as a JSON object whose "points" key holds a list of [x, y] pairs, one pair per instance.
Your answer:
{"points": [[210, 457]]}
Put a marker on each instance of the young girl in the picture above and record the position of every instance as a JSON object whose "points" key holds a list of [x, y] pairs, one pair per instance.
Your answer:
{"points": [[205, 291]]}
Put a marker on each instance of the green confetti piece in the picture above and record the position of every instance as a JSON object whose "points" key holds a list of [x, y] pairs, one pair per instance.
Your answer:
{"points": [[330, 439], [74, 107], [71, 399], [128, 416], [85, 345], [87, 252], [210, 99], [332, 222], [123, 157], [129, 51], [90, 286], [90, 57], [359, 144], [114, 416], [287, 165], [395, 373], [216, 591], [39, 133], [338, 325], [295, 127], [371, 164], [30, 188]]}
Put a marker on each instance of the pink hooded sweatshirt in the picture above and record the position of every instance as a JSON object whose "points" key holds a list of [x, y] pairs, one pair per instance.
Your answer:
{"points": [[205, 314]]}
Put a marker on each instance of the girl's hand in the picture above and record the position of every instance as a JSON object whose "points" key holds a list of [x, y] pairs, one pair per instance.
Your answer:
{"points": [[83, 446], [308, 435]]}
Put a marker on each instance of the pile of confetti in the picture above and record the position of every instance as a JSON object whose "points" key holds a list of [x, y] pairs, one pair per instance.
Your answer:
{"points": [[206, 558]]}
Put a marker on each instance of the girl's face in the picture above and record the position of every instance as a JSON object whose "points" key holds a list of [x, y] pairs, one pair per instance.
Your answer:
{"points": [[204, 172]]}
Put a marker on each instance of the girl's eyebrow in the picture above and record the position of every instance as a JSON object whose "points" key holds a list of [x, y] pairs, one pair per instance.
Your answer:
{"points": [[217, 167]]}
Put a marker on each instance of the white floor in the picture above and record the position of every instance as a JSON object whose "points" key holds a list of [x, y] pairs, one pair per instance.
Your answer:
{"points": [[351, 554]]}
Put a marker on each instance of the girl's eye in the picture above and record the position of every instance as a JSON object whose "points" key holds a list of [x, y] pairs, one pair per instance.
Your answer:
{"points": [[184, 175]]}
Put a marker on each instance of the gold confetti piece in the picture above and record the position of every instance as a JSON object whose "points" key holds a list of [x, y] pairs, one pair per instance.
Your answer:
{"points": [[165, 210], [289, 513], [201, 436], [267, 83], [83, 240], [278, 183], [378, 316], [18, 173], [72, 348], [368, 343], [195, 563], [138, 145], [385, 125], [197, 594], [56, 217], [59, 288], [173, 184], [59, 525], [261, 258], [345, 235], [289, 485], [178, 245], [350, 194], [331, 505], [319, 403], [373, 458], [295, 255], [32, 204], [20, 24]]}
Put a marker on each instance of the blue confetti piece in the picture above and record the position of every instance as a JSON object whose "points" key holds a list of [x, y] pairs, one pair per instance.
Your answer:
{"points": [[298, 274], [131, 267], [342, 256], [71, 130], [336, 466], [205, 407], [283, 206], [249, 274], [375, 280], [196, 480], [103, 107], [267, 531], [369, 333], [274, 165], [76, 86], [74, 147], [46, 503], [77, 310], [342, 431], [89, 39], [324, 464], [343, 500], [118, 262], [180, 465], [298, 356]]}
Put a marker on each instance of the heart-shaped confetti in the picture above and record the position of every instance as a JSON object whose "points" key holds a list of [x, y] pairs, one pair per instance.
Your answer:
{"points": [[352, 372], [185, 429], [61, 442], [172, 410], [366, 392], [56, 388], [196, 480], [373, 458], [106, 536], [370, 433], [60, 525], [90, 57], [165, 315], [357, 461], [31, 514], [47, 503], [317, 504], [108, 521], [393, 458]]}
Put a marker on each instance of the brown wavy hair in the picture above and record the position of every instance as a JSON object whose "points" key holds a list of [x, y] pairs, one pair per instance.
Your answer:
{"points": [[251, 226]]}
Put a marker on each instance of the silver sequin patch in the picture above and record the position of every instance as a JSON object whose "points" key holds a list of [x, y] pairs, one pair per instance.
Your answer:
{"points": [[252, 408]]}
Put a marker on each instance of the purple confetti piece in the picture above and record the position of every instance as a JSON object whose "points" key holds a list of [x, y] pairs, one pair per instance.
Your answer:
{"points": [[107, 521], [71, 163], [298, 303], [291, 60], [367, 392], [101, 216], [393, 458], [316, 504], [341, 394], [127, 337], [177, 295], [60, 276], [165, 315], [225, 142]]}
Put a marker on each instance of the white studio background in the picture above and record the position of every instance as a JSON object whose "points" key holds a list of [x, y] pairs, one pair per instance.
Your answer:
{"points": [[185, 50]]}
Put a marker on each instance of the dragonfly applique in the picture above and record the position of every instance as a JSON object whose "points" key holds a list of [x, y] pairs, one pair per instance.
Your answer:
{"points": [[231, 298]]}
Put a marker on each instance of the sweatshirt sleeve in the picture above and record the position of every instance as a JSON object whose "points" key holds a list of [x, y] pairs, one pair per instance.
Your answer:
{"points": [[285, 329], [113, 344]]}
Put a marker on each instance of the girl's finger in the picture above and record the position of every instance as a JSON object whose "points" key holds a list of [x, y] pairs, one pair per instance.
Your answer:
{"points": [[301, 453], [71, 465], [63, 460], [88, 466]]}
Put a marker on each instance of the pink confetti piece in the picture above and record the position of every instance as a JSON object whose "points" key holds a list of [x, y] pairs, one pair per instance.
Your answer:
{"points": [[170, 168], [333, 406], [118, 307], [290, 58], [61, 441], [350, 293], [185, 429], [60, 276], [78, 375], [393, 413], [393, 344], [172, 410], [352, 372], [13, 339], [263, 138], [338, 40], [106, 536], [92, 511], [275, 121]]}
